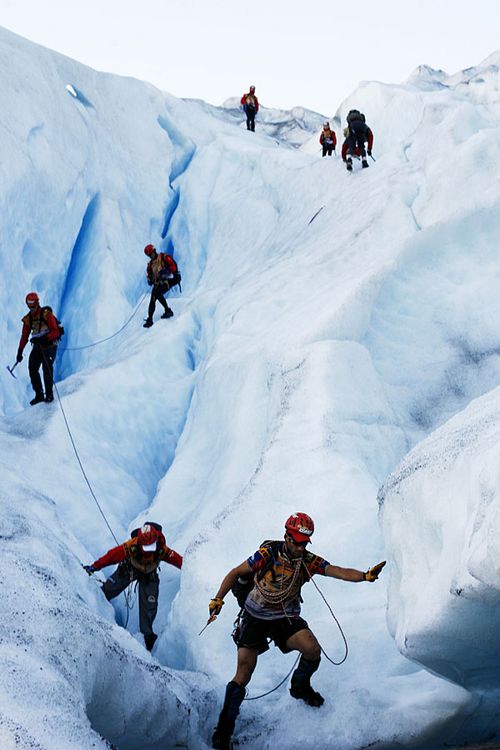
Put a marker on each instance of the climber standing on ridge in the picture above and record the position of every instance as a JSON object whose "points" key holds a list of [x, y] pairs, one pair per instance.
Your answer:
{"points": [[356, 134], [271, 610], [42, 325], [250, 105], [139, 559], [162, 274], [328, 139]]}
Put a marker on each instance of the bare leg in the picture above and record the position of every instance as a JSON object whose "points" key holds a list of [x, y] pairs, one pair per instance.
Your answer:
{"points": [[305, 642]]}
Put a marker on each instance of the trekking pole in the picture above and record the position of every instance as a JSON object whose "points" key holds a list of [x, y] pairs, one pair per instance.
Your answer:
{"points": [[209, 622], [11, 369], [373, 158]]}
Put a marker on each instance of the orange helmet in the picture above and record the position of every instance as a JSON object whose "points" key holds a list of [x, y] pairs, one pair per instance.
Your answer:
{"points": [[32, 299], [300, 526], [148, 537], [149, 250]]}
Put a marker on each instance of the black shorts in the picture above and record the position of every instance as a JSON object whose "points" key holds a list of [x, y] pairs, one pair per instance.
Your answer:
{"points": [[253, 633]]}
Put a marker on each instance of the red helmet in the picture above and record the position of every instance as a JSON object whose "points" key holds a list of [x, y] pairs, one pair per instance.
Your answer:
{"points": [[148, 537], [32, 299], [300, 526], [252, 89], [149, 250]]}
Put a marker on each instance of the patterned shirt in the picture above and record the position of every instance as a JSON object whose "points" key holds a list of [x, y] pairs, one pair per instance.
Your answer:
{"points": [[279, 578]]}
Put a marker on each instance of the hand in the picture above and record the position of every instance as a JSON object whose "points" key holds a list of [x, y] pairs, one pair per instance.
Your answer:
{"points": [[369, 152], [373, 573], [89, 569], [215, 606], [19, 357]]}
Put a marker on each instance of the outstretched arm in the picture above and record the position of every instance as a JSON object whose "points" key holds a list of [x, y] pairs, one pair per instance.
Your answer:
{"points": [[351, 574], [113, 556]]}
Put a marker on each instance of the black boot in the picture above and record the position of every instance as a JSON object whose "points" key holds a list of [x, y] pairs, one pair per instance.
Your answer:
{"points": [[221, 737], [348, 164], [148, 323], [168, 313], [38, 399], [150, 640], [301, 683], [49, 397], [364, 164]]}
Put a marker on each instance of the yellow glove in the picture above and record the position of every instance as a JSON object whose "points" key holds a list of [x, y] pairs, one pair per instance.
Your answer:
{"points": [[215, 606], [373, 573]]}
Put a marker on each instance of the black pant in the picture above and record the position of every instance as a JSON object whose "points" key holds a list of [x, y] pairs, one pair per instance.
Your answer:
{"points": [[250, 113], [45, 357], [157, 294], [327, 149], [149, 584], [358, 134]]}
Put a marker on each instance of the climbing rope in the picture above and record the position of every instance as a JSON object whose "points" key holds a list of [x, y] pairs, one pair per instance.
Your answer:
{"points": [[126, 593], [256, 697], [336, 663], [108, 338], [280, 598]]}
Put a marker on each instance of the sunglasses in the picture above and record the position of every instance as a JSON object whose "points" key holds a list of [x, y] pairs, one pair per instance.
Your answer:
{"points": [[297, 544]]}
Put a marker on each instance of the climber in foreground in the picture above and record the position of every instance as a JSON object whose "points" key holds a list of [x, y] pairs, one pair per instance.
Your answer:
{"points": [[162, 274], [41, 324], [139, 559], [328, 139], [271, 610], [356, 134], [250, 105]]}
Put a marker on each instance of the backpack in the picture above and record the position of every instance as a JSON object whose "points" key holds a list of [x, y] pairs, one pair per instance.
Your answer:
{"points": [[170, 265], [245, 584], [355, 114], [47, 309]]}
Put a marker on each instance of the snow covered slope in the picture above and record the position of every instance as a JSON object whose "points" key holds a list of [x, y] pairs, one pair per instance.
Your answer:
{"points": [[441, 520], [327, 323], [293, 127]]}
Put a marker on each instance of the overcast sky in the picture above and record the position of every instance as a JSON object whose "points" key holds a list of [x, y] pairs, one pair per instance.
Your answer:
{"points": [[295, 52]]}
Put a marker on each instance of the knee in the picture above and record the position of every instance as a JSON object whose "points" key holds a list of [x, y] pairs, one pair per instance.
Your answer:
{"points": [[315, 653], [312, 650]]}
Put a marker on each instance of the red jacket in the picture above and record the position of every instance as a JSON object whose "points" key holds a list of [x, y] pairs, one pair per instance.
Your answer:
{"points": [[325, 134], [146, 562], [39, 321], [357, 152], [244, 100]]}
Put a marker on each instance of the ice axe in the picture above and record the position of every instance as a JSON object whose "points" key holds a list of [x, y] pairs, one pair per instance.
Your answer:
{"points": [[11, 369], [209, 622]]}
